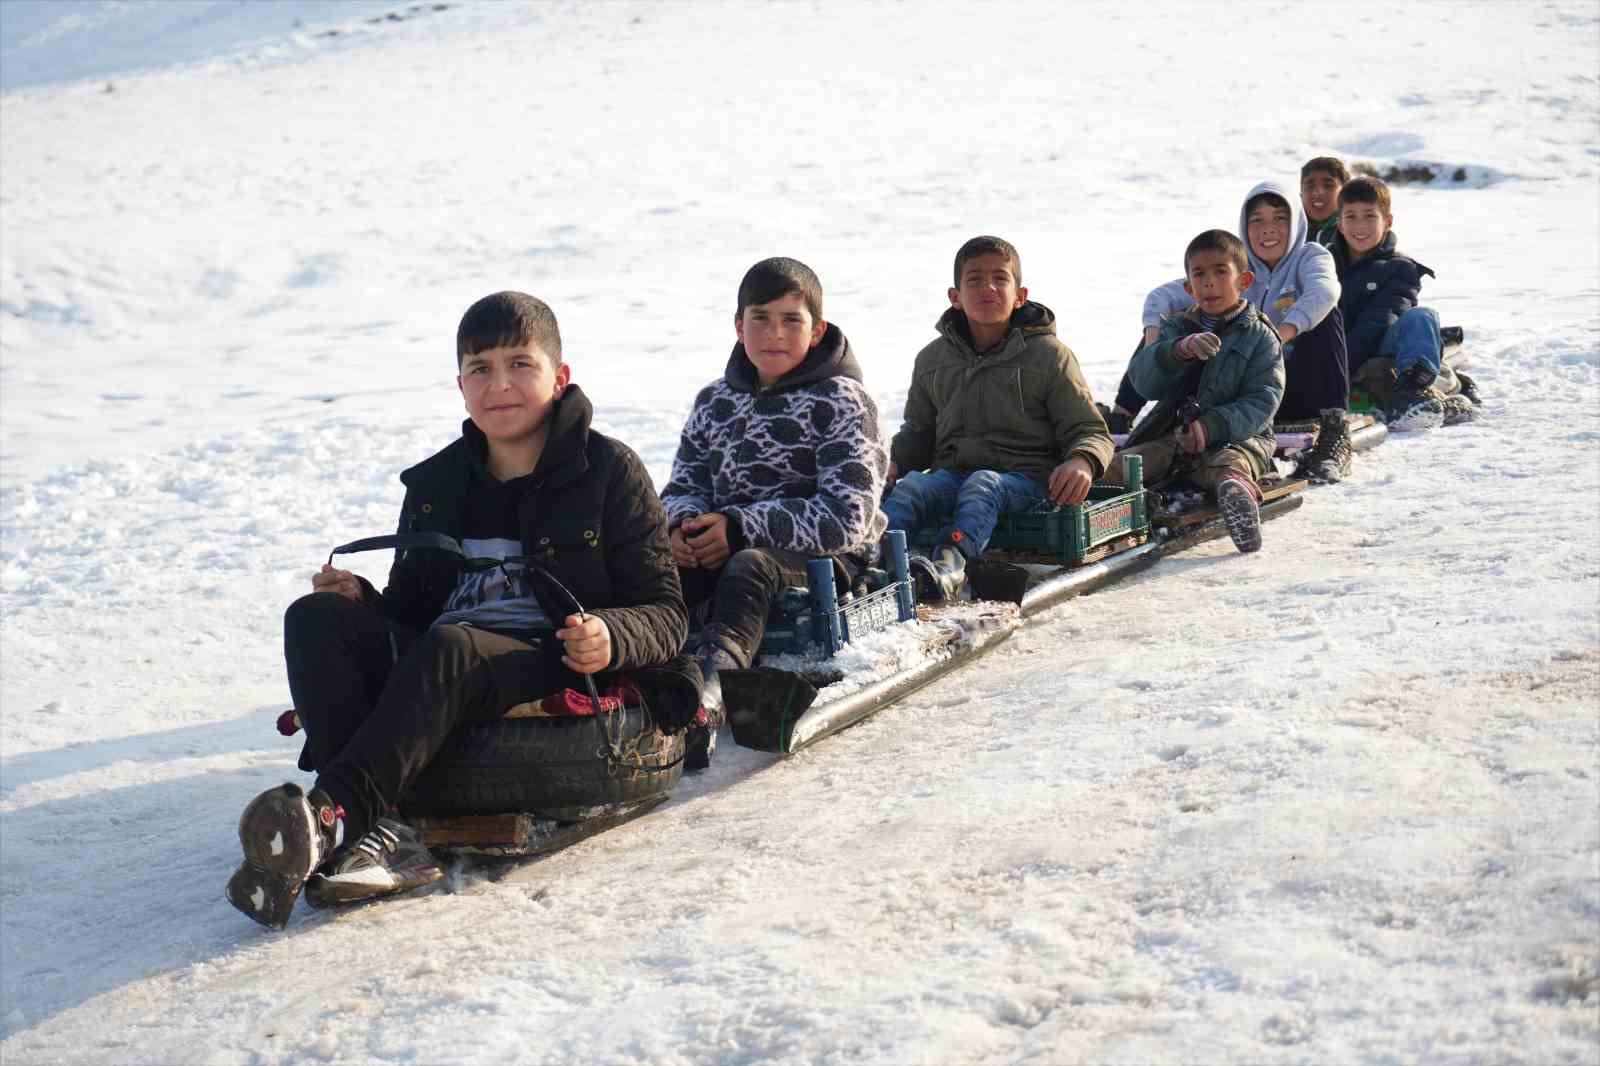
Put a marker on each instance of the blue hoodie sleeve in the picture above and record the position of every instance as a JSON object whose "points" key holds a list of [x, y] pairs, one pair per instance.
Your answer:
{"points": [[1317, 280]]}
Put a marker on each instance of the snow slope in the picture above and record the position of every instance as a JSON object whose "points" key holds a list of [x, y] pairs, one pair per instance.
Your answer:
{"points": [[1339, 801]]}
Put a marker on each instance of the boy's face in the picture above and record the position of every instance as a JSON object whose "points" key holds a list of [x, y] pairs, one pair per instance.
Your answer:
{"points": [[1319, 195], [1364, 226], [1215, 281], [989, 291], [1267, 230], [777, 335], [511, 392]]}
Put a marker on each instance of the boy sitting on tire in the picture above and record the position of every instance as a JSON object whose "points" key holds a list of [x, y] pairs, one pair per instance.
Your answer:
{"points": [[380, 680], [780, 462]]}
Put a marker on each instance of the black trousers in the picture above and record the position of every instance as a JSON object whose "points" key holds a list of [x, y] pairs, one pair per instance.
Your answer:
{"points": [[743, 589], [378, 701]]}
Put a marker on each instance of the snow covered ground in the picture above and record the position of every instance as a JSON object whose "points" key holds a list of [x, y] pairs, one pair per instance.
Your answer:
{"points": [[1337, 802]]}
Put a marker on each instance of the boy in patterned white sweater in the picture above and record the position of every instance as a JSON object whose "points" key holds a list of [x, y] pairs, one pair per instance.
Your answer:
{"points": [[781, 461]]}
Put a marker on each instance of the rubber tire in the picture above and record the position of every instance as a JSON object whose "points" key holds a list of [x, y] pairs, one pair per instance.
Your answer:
{"points": [[548, 766]]}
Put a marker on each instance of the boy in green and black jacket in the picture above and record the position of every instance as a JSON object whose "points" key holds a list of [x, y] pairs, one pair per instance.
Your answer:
{"points": [[1216, 374]]}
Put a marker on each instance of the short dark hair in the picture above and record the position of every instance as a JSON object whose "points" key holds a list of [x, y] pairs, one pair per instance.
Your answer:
{"points": [[988, 246], [1270, 198], [1329, 165], [775, 278], [1366, 191], [1217, 240], [505, 320]]}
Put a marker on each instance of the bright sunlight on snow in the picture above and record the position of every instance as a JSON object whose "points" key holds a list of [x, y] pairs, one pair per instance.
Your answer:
{"points": [[1338, 801]]}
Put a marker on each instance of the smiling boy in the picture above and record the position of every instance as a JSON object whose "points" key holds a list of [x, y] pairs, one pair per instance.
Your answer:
{"points": [[1379, 302], [1320, 181], [780, 462], [998, 418], [1222, 355], [380, 680]]}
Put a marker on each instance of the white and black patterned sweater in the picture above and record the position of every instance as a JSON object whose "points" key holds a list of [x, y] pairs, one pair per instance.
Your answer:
{"points": [[798, 465]]}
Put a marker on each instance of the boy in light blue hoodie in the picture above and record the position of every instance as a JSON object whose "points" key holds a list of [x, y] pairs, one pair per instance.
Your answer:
{"points": [[1296, 287]]}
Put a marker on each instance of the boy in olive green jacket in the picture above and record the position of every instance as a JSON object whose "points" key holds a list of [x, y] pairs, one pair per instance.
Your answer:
{"points": [[998, 419]]}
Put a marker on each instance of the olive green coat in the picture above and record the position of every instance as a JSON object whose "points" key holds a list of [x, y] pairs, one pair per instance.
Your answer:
{"points": [[1238, 389], [1021, 407]]}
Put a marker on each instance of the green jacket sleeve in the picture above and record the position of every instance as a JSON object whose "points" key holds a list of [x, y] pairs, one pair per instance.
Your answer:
{"points": [[1078, 425], [1250, 412]]}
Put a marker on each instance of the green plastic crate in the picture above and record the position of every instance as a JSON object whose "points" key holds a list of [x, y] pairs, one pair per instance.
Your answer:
{"points": [[1073, 531]]}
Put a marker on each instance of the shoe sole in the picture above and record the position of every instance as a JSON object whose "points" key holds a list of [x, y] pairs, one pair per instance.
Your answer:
{"points": [[324, 891], [1421, 417], [278, 834], [1242, 515]]}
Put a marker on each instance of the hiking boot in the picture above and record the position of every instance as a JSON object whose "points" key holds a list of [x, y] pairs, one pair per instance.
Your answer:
{"points": [[1327, 462], [942, 577], [1457, 409], [285, 835], [1469, 389], [700, 742], [1236, 499], [1415, 405], [388, 858]]}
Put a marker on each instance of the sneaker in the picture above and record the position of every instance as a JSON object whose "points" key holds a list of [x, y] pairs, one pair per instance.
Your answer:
{"points": [[1240, 513], [700, 743], [388, 858], [1469, 389], [1327, 462], [942, 577], [1415, 405], [285, 834]]}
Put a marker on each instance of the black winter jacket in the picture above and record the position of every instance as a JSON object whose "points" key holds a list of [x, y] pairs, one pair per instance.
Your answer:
{"points": [[1373, 293], [591, 514]]}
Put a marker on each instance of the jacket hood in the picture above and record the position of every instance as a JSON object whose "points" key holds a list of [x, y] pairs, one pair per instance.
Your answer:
{"points": [[1032, 319], [1297, 225], [830, 358]]}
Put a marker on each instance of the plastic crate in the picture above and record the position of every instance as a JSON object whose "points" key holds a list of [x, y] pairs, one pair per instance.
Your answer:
{"points": [[1071, 532]]}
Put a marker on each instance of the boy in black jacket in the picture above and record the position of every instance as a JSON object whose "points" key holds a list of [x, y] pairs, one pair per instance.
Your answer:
{"points": [[380, 680]]}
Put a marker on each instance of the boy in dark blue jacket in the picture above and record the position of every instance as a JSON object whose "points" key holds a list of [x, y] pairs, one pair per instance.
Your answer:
{"points": [[1379, 288]]}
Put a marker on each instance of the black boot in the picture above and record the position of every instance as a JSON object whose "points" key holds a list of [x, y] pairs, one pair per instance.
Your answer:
{"points": [[1415, 405], [1469, 389], [942, 577], [1327, 462]]}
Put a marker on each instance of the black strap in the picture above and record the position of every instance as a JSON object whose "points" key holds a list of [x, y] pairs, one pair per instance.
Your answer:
{"points": [[401, 540]]}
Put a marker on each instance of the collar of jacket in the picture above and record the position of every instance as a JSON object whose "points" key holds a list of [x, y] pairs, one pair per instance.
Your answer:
{"points": [[1030, 320], [1240, 317], [1341, 252], [830, 357], [566, 450]]}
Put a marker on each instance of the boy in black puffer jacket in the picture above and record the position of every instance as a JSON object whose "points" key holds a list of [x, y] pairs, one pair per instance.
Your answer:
{"points": [[781, 461], [380, 680]]}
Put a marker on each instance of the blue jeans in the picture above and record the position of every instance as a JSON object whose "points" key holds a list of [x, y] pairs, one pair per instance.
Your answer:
{"points": [[974, 501], [1414, 338]]}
